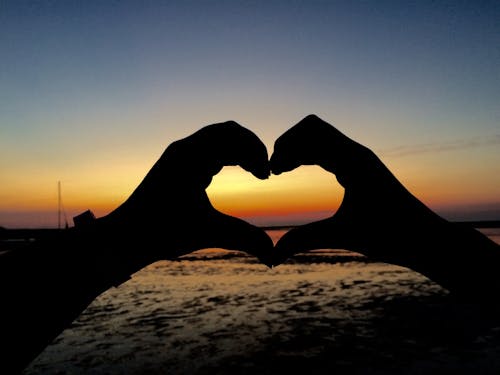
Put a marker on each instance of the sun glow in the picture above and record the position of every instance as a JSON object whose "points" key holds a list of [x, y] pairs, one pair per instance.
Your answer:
{"points": [[300, 192]]}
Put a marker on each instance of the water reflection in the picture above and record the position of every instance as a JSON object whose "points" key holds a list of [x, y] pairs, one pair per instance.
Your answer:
{"points": [[222, 312]]}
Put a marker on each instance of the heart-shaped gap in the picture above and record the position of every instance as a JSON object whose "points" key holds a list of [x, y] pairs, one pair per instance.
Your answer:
{"points": [[306, 194]]}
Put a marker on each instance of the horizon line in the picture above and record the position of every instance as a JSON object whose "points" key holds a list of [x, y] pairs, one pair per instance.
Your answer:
{"points": [[475, 223]]}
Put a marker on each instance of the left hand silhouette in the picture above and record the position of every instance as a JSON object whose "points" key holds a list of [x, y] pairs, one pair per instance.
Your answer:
{"points": [[169, 214]]}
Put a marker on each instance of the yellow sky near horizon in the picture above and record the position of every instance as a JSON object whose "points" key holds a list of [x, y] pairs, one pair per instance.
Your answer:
{"points": [[92, 92], [306, 189], [30, 199]]}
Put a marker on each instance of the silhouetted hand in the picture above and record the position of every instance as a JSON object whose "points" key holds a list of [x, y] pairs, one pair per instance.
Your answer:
{"points": [[374, 200], [378, 216], [169, 214], [46, 284]]}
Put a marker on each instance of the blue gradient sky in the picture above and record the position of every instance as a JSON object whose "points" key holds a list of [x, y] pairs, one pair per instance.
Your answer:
{"points": [[92, 92]]}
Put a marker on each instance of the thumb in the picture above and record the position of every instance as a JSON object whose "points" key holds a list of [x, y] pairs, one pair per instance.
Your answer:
{"points": [[323, 234], [231, 233]]}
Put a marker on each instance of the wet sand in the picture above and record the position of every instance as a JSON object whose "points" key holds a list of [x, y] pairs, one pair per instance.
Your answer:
{"points": [[218, 312]]}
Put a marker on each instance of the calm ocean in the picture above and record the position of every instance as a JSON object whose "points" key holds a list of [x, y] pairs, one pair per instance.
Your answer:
{"points": [[222, 312]]}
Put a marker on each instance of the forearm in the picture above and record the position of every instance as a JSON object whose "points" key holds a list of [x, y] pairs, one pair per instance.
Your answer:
{"points": [[44, 287], [459, 258]]}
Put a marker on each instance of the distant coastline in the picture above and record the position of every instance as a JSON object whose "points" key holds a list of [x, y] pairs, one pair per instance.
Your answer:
{"points": [[481, 223], [27, 234], [475, 224]]}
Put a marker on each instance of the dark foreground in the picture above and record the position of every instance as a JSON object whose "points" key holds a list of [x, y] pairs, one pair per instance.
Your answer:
{"points": [[220, 312]]}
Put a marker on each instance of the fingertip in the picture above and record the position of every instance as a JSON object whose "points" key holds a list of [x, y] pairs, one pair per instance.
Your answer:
{"points": [[252, 155], [262, 172], [281, 163], [278, 259], [266, 261], [284, 249], [215, 146]]}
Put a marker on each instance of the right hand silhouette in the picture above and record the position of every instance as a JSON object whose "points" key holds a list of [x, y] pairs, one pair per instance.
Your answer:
{"points": [[378, 217], [377, 214]]}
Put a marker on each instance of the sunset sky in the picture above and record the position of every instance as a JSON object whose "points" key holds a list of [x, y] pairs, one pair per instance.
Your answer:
{"points": [[91, 92]]}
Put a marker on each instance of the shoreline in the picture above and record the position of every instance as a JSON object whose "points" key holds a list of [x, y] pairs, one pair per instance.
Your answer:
{"points": [[8, 234]]}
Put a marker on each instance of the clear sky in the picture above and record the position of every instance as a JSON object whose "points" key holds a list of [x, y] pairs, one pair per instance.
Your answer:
{"points": [[91, 92]]}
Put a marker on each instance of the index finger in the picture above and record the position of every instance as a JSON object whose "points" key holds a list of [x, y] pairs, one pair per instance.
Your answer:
{"points": [[315, 142], [203, 154]]}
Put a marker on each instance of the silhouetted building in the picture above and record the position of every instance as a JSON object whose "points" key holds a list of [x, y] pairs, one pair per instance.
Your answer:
{"points": [[84, 219]]}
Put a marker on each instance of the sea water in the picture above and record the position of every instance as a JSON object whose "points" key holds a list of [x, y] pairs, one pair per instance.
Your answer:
{"points": [[222, 312]]}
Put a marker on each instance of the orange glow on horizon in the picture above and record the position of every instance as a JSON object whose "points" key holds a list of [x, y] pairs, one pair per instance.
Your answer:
{"points": [[28, 198], [305, 190]]}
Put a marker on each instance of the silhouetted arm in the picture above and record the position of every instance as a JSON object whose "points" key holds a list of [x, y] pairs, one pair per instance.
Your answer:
{"points": [[378, 217], [45, 286]]}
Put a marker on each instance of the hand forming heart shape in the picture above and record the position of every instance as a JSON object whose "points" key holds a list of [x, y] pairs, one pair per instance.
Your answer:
{"points": [[172, 199], [379, 217], [169, 214], [374, 217]]}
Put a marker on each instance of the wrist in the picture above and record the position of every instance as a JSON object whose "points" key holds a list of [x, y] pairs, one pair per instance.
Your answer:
{"points": [[104, 247], [459, 258]]}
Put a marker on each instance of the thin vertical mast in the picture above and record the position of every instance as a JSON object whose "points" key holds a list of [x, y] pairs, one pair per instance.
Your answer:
{"points": [[58, 204]]}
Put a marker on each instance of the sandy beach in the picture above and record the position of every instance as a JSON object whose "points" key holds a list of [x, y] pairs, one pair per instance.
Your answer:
{"points": [[220, 312]]}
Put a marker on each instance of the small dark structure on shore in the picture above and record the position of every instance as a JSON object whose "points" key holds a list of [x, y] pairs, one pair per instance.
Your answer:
{"points": [[84, 219]]}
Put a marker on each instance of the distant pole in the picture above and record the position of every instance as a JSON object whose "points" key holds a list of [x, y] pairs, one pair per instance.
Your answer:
{"points": [[58, 204]]}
